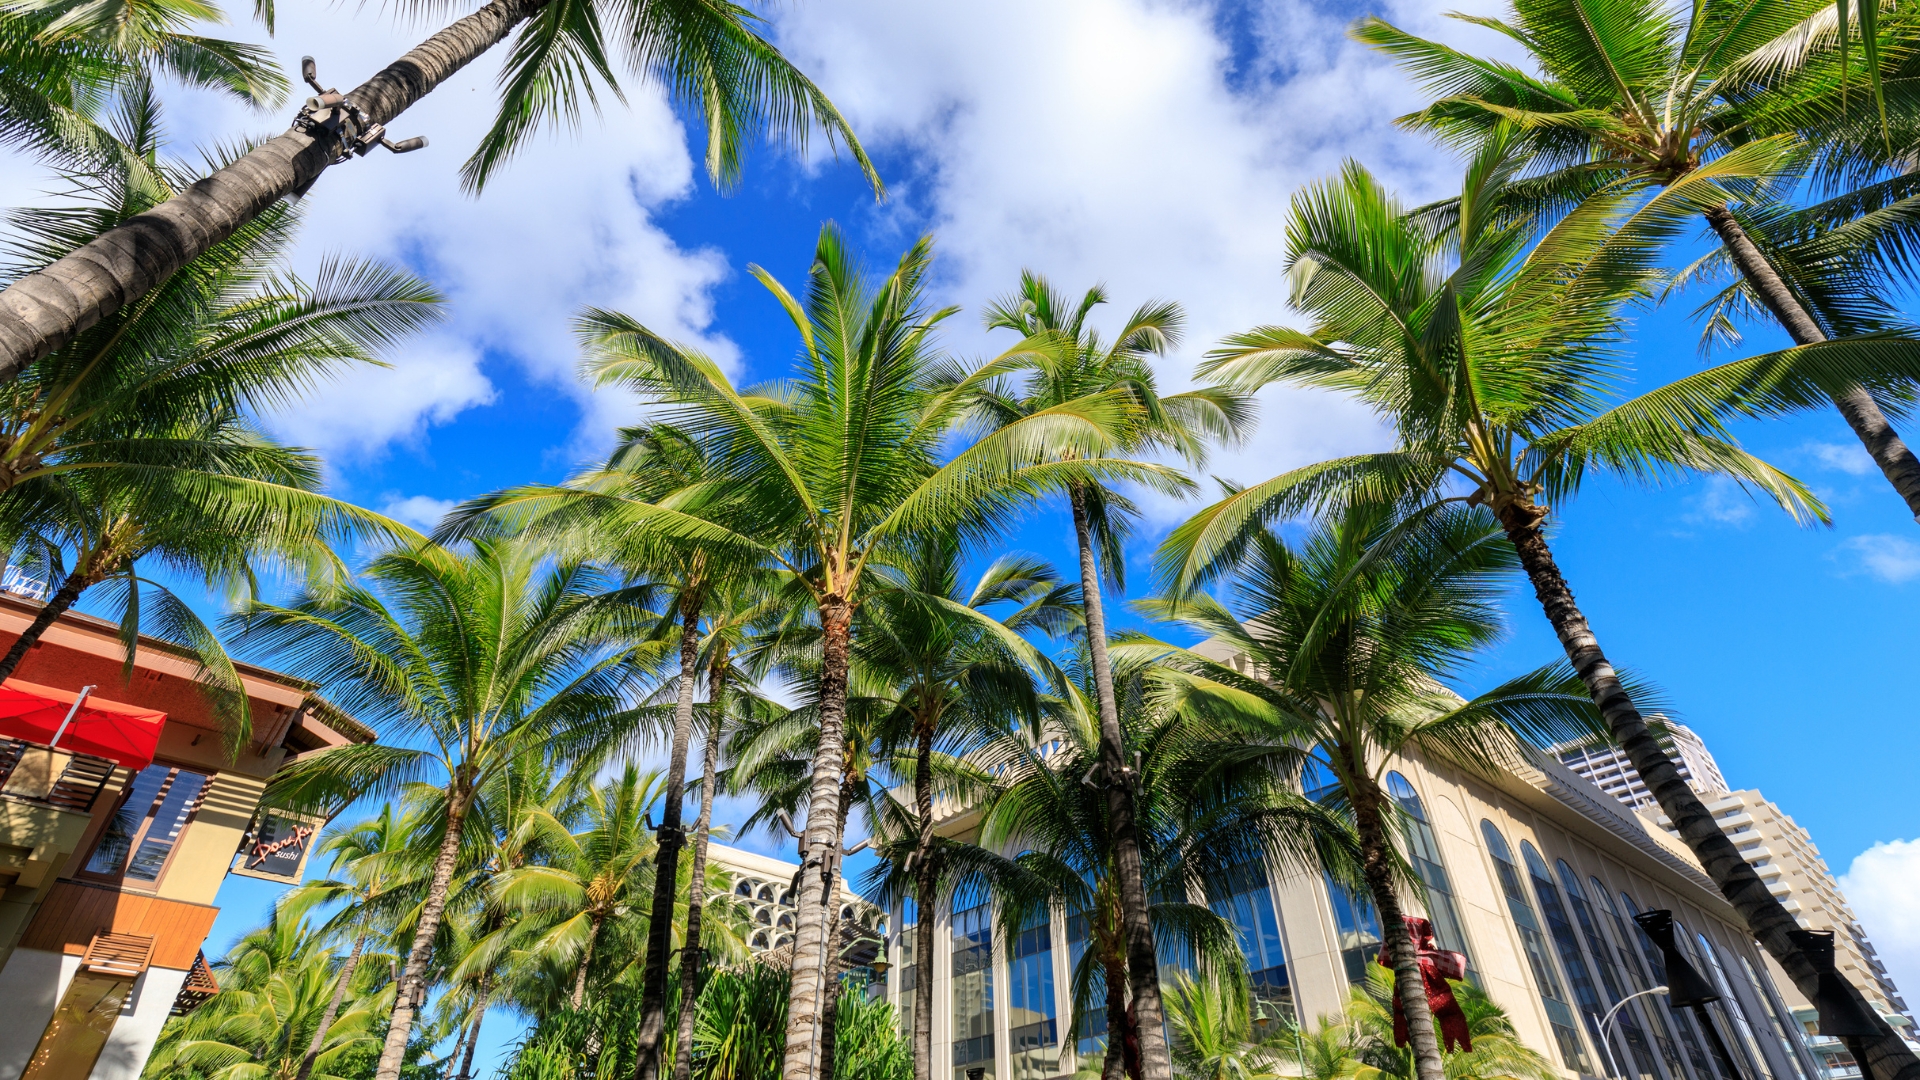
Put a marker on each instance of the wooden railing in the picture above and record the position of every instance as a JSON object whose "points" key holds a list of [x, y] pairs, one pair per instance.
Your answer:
{"points": [[200, 986], [76, 789]]}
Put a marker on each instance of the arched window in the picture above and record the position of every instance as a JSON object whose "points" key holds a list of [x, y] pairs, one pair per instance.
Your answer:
{"points": [[1729, 1001], [786, 920], [1423, 849], [1241, 895], [743, 888], [766, 892], [1682, 1019], [763, 916], [1560, 928], [1638, 980], [1534, 944], [1355, 924], [1628, 1025]]}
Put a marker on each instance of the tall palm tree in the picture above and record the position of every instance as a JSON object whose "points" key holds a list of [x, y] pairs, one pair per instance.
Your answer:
{"points": [[955, 673], [1497, 375], [369, 859], [1709, 106], [706, 55], [466, 661], [840, 462], [1358, 1043], [1349, 633], [1085, 370]]}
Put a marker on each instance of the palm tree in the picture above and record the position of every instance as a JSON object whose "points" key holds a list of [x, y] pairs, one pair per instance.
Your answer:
{"points": [[1349, 634], [277, 999], [1213, 1037], [1497, 377], [708, 57], [369, 860], [955, 673], [467, 661], [839, 463], [1709, 105], [1358, 1044], [1088, 370]]}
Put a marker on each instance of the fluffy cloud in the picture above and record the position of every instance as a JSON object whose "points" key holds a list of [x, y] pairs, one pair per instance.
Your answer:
{"points": [[1850, 458], [1150, 146], [1893, 559], [423, 512], [1881, 885]]}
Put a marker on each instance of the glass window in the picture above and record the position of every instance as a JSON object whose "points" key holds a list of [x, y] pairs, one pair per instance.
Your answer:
{"points": [[1035, 1032], [1626, 1023], [906, 975], [1783, 1030], [1091, 1038], [1241, 896], [972, 990], [1637, 978], [1354, 922], [1534, 944], [1423, 850], [1730, 1001], [1683, 1019], [1743, 1049], [1560, 928], [143, 831]]}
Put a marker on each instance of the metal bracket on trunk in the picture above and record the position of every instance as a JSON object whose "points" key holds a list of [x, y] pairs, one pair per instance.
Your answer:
{"points": [[329, 112]]}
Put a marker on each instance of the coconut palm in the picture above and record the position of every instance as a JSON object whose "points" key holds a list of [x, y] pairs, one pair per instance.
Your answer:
{"points": [[465, 661], [1358, 1043], [841, 462], [956, 672], [1703, 108], [277, 999], [1348, 634], [1119, 373], [707, 56], [370, 860], [1213, 1037], [1497, 375]]}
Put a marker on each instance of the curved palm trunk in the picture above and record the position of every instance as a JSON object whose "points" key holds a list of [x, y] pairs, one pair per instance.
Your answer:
{"points": [[925, 881], [1856, 406], [473, 1038], [586, 961], [819, 849], [1142, 968], [333, 1006], [1409, 989], [69, 592], [46, 309], [830, 1008], [693, 955], [1888, 1057], [413, 977], [666, 863], [1115, 1065]]}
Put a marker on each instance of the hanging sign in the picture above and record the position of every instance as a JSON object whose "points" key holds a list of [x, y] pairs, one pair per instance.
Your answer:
{"points": [[277, 846]]}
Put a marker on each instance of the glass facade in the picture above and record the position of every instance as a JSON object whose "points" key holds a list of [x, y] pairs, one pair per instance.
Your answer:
{"points": [[1534, 944], [1091, 1038], [1632, 962], [906, 976], [1560, 928], [1783, 1027], [139, 838], [1031, 1009], [1423, 850], [1626, 1023], [1243, 897], [971, 989], [1735, 1011], [1358, 929]]}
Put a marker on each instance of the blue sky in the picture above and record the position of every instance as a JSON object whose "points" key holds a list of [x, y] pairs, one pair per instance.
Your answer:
{"points": [[1149, 145]]}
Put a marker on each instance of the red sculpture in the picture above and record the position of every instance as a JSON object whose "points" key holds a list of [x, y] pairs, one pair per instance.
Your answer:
{"points": [[1436, 967]]}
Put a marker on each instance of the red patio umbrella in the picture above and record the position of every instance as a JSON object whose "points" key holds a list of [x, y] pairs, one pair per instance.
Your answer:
{"points": [[124, 734]]}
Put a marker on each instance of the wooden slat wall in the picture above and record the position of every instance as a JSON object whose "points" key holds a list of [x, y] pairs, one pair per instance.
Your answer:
{"points": [[74, 912]]}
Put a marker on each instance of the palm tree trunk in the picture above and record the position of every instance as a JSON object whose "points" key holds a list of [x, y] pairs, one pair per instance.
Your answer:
{"points": [[1142, 969], [333, 1007], [413, 978], [1409, 988], [1888, 1057], [830, 1007], [586, 961], [1856, 406], [818, 848], [1114, 1065], [666, 863], [69, 592], [925, 880], [479, 1014], [44, 310], [692, 955]]}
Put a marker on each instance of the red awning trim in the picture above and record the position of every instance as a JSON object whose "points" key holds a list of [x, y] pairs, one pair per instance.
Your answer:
{"points": [[124, 734]]}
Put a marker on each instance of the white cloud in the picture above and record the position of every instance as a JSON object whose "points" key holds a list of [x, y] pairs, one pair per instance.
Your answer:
{"points": [[1850, 458], [1893, 559], [1881, 885], [1721, 503], [423, 512]]}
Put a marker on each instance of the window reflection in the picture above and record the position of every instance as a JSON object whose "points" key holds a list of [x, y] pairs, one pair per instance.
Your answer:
{"points": [[142, 833]]}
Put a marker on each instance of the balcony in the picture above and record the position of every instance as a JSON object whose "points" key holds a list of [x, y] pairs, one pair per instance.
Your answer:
{"points": [[38, 775]]}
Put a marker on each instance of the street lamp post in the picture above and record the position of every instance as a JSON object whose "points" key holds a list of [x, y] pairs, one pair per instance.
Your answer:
{"points": [[1606, 1037]]}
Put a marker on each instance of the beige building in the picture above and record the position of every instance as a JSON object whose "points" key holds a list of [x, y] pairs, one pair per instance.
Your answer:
{"points": [[1534, 873], [763, 886], [120, 815], [1770, 840]]}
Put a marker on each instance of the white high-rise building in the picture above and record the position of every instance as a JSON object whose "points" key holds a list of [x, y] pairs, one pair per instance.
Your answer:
{"points": [[1612, 773]]}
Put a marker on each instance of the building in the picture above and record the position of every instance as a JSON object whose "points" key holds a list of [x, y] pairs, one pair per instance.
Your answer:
{"points": [[763, 885], [1770, 840], [1533, 872], [120, 815]]}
